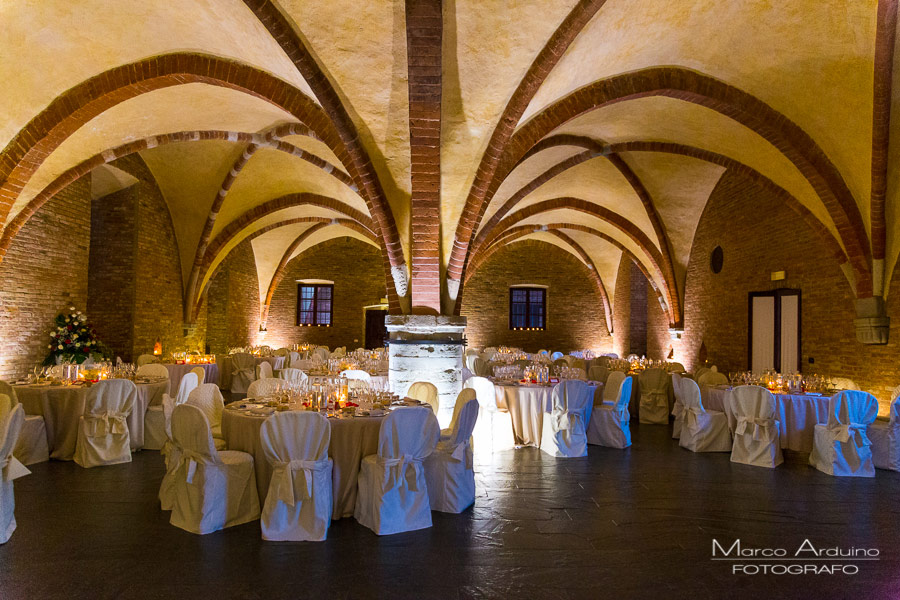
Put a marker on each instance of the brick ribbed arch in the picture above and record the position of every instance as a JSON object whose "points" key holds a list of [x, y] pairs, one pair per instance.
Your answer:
{"points": [[476, 202], [278, 275], [594, 149], [885, 35], [72, 109], [611, 217], [697, 88], [357, 160]]}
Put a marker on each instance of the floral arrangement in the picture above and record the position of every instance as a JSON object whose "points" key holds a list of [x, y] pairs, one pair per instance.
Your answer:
{"points": [[73, 340]]}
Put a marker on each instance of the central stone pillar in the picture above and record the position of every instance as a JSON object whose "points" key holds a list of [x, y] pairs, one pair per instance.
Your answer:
{"points": [[427, 348]]}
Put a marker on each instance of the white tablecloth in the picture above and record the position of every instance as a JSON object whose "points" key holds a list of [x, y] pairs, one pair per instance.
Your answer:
{"points": [[526, 405], [351, 440], [176, 372], [62, 407], [797, 415]]}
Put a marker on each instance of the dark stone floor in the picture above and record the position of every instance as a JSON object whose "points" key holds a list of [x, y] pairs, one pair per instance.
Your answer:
{"points": [[618, 524]]}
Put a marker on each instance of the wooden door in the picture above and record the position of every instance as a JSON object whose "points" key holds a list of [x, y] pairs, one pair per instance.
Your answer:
{"points": [[376, 332]]}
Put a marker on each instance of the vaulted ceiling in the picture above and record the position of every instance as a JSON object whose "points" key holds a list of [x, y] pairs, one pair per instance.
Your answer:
{"points": [[440, 131]]}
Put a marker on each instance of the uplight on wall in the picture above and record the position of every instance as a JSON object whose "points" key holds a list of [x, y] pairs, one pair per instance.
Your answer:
{"points": [[778, 276]]}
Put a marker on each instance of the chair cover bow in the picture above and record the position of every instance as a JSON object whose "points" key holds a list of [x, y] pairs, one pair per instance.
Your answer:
{"points": [[288, 474], [855, 431], [11, 468], [760, 426], [106, 423], [566, 420], [405, 467], [183, 457]]}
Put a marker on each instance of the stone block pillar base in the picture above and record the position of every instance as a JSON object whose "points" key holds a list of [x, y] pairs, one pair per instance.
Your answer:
{"points": [[427, 348]]}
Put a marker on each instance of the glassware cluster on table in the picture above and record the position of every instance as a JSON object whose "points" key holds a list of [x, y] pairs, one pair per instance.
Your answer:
{"points": [[71, 373], [568, 372], [583, 354], [332, 396], [785, 383]]}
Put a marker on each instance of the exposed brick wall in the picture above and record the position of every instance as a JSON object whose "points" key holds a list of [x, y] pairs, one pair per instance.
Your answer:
{"points": [[111, 274], [233, 302], [135, 294], [760, 235], [357, 272], [44, 272], [574, 312], [637, 318], [641, 326]]}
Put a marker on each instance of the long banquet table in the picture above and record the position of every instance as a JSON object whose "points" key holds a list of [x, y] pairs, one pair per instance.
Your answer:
{"points": [[527, 404], [62, 407], [797, 414], [351, 440]]}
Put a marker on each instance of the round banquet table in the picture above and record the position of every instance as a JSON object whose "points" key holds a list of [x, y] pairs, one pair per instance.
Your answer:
{"points": [[797, 414], [352, 439], [176, 372], [526, 405], [62, 407]]}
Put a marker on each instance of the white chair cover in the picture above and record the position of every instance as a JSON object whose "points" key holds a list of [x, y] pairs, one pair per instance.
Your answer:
{"points": [[885, 438], [609, 423], [157, 429], [701, 371], [32, 446], [481, 368], [654, 404], [678, 408], [321, 353], [298, 505], [462, 398], [200, 372], [841, 446], [10, 468], [357, 374], [208, 398], [211, 489], [146, 359], [264, 370], [294, 376], [243, 372], [756, 432], [470, 361], [613, 386], [466, 374], [556, 355], [425, 392], [702, 430], [449, 470], [565, 431], [598, 373], [153, 370], [711, 378], [494, 430], [264, 387], [293, 360], [393, 493], [103, 437], [674, 367]]}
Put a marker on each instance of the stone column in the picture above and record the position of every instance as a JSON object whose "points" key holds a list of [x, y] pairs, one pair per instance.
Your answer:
{"points": [[427, 348]]}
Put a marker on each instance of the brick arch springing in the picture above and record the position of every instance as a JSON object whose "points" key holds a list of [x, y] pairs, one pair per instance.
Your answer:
{"points": [[359, 162], [78, 105], [594, 149], [691, 86], [545, 61]]}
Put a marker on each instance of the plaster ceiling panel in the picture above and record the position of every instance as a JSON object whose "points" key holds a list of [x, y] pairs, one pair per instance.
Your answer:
{"points": [[605, 255], [65, 42], [268, 249], [526, 171], [362, 49], [270, 174], [680, 187], [811, 60], [542, 236], [599, 182], [189, 175], [669, 120], [487, 51], [194, 106]]}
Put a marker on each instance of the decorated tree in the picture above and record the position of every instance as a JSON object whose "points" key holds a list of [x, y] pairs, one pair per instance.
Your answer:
{"points": [[73, 340]]}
